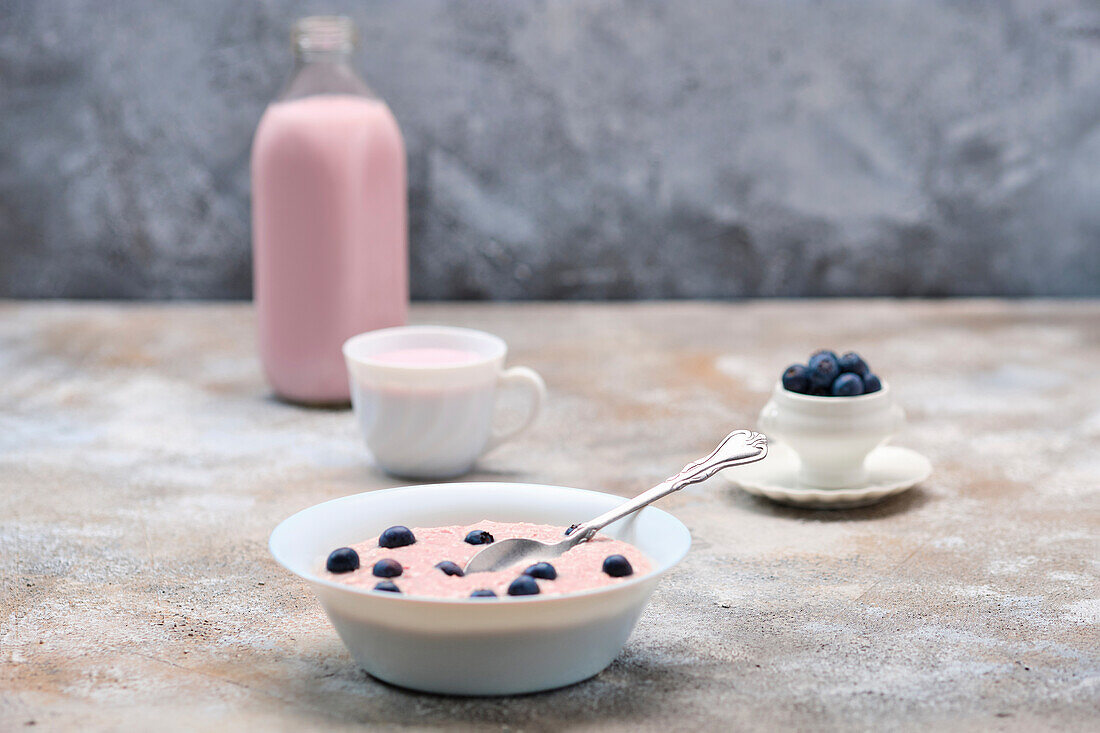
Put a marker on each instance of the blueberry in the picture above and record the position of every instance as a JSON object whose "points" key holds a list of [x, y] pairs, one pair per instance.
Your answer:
{"points": [[388, 586], [871, 384], [847, 385], [853, 363], [823, 369], [817, 391], [524, 585], [824, 352], [617, 566], [542, 570], [479, 537], [450, 568], [483, 593], [797, 379], [387, 568], [396, 536], [343, 560]]}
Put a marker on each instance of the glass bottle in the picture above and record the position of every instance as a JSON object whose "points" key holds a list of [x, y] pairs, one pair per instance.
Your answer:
{"points": [[329, 217]]}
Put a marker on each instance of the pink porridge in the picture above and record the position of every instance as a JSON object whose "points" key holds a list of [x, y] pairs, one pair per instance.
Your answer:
{"points": [[427, 561]]}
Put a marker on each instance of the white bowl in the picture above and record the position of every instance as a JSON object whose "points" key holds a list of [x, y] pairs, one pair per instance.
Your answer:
{"points": [[831, 435], [477, 646]]}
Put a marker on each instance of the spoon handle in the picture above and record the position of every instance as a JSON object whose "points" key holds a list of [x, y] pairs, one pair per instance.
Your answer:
{"points": [[737, 448]]}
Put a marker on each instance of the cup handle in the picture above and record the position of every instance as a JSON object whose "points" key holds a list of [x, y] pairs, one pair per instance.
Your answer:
{"points": [[531, 380]]}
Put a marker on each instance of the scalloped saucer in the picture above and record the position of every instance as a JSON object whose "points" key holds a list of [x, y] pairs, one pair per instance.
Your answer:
{"points": [[890, 470]]}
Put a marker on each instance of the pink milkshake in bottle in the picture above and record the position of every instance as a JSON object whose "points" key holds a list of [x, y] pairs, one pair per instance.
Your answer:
{"points": [[329, 219]]}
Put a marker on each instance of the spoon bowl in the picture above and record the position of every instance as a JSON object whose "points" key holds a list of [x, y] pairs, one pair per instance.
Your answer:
{"points": [[506, 553]]}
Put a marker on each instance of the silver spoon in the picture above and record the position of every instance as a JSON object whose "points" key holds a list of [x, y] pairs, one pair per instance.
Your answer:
{"points": [[737, 448]]}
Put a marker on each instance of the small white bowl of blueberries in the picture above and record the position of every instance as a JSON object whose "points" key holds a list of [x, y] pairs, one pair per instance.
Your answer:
{"points": [[832, 411]]}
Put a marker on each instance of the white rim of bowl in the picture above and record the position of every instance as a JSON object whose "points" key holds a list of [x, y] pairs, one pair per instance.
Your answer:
{"points": [[408, 598]]}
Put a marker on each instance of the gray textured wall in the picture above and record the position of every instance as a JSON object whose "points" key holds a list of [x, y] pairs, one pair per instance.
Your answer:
{"points": [[578, 149]]}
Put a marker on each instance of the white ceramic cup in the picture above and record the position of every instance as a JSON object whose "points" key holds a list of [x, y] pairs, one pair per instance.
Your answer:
{"points": [[831, 435], [433, 420]]}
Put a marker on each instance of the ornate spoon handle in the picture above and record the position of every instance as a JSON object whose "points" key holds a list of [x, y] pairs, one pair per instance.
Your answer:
{"points": [[737, 448]]}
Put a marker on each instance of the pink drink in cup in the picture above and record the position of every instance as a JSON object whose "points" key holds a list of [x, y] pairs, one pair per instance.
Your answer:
{"points": [[426, 356], [329, 218]]}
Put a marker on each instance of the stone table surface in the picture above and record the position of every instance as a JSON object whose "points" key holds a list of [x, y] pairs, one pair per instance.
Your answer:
{"points": [[143, 463]]}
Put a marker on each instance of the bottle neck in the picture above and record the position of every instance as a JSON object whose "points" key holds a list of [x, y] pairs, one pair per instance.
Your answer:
{"points": [[303, 56], [323, 47]]}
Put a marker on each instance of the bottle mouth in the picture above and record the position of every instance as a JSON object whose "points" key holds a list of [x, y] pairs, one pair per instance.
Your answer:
{"points": [[321, 35]]}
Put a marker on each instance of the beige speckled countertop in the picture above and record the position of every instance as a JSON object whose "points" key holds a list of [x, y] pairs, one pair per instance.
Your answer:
{"points": [[143, 464]]}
